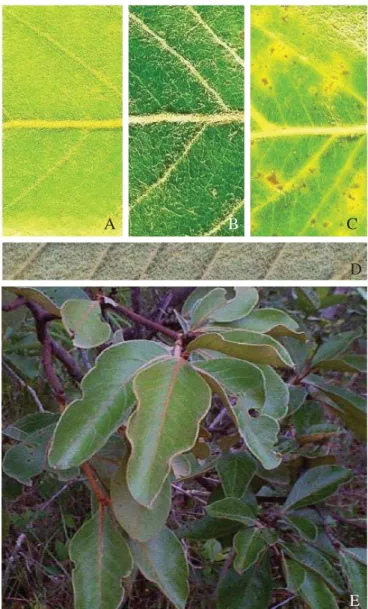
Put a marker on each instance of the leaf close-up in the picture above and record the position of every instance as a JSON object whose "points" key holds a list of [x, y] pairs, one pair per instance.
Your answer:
{"points": [[62, 138], [186, 120], [308, 94]]}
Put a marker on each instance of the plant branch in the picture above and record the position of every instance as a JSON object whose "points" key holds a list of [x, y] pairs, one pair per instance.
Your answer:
{"points": [[24, 385], [15, 304], [139, 319], [102, 498]]}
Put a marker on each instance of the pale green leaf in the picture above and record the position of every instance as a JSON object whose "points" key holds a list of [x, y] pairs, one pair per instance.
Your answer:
{"points": [[21, 429], [271, 321], [316, 484], [349, 363], [102, 558], [240, 306], [206, 307], [349, 406], [28, 459], [83, 321], [193, 299], [167, 392], [294, 573], [87, 423], [359, 554], [236, 471], [232, 508], [248, 545], [315, 561], [335, 346], [277, 394], [62, 146], [315, 592], [162, 561], [259, 433], [309, 94], [186, 93], [356, 574], [245, 345], [39, 297], [138, 521], [251, 589]]}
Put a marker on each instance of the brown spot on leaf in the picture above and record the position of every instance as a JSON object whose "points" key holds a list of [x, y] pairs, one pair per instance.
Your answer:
{"points": [[264, 81]]}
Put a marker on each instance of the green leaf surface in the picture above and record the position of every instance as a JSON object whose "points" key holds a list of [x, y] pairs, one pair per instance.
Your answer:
{"points": [[208, 527], [350, 363], [356, 574], [215, 307], [277, 394], [164, 261], [308, 95], [271, 321], [236, 471], [21, 429], [251, 589], [162, 561], [102, 558], [315, 485], [62, 145], [186, 120], [349, 406], [294, 573], [83, 320], [297, 397], [167, 391], [315, 592], [315, 561], [305, 527], [335, 346], [259, 433], [232, 508], [311, 413], [28, 459], [87, 423], [138, 521], [248, 545], [245, 345], [39, 297]]}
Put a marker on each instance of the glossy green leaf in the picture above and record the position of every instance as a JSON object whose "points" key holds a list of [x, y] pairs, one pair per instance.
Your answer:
{"points": [[335, 346], [245, 345], [138, 521], [251, 589], [315, 592], [349, 406], [83, 320], [259, 433], [294, 573], [186, 120], [167, 392], [162, 561], [316, 484], [308, 97], [62, 146], [271, 321], [232, 508], [216, 308], [87, 423], [102, 558], [305, 527], [236, 471], [356, 573], [248, 545], [315, 561]]}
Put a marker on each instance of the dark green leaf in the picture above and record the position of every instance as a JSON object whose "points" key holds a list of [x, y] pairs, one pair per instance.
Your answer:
{"points": [[231, 508], [315, 485], [236, 471], [248, 545], [252, 589]]}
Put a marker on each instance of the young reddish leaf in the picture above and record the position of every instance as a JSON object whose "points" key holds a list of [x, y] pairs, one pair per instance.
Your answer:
{"points": [[172, 401], [102, 558]]}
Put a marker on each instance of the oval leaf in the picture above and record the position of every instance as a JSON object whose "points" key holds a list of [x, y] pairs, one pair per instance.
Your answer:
{"points": [[248, 545], [316, 484], [232, 508], [82, 319], [315, 592], [236, 471], [102, 558], [167, 392]]}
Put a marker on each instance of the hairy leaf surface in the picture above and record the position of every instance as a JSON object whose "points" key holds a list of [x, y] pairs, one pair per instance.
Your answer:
{"points": [[102, 558], [167, 392], [186, 120], [309, 80], [62, 92], [87, 423]]}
